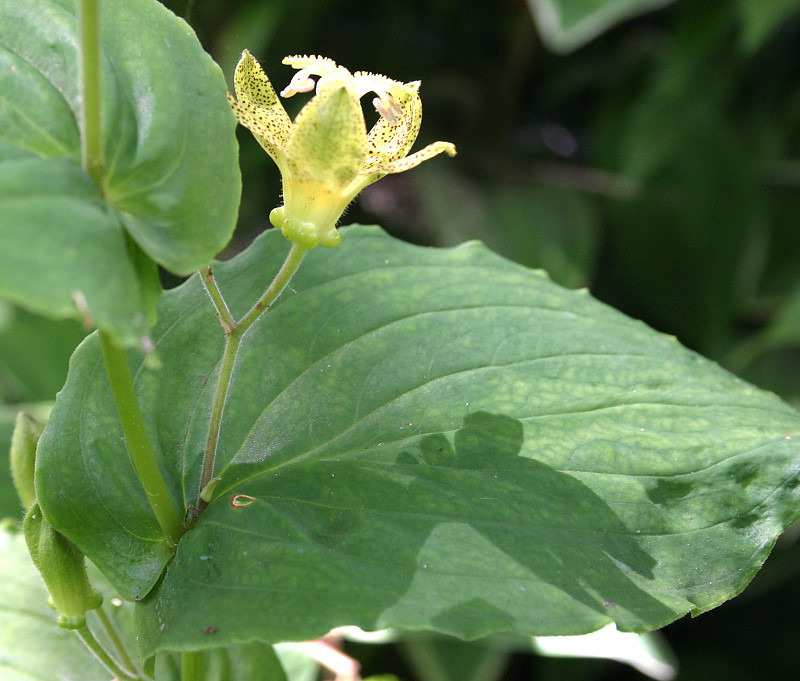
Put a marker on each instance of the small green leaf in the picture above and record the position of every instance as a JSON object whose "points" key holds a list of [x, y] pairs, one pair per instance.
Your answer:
{"points": [[27, 431], [566, 25], [63, 569], [9, 500], [433, 439]]}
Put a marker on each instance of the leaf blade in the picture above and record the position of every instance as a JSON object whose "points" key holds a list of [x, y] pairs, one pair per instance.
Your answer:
{"points": [[451, 442]]}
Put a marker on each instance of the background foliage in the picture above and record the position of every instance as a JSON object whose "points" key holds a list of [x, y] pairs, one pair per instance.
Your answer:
{"points": [[656, 164]]}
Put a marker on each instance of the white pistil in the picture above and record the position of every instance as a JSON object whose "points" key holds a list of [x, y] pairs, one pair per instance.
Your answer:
{"points": [[300, 82]]}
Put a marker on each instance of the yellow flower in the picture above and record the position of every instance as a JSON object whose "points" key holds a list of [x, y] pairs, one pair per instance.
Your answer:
{"points": [[326, 157]]}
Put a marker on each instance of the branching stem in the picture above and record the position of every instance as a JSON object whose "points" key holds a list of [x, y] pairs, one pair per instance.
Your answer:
{"points": [[234, 331], [223, 313], [292, 263]]}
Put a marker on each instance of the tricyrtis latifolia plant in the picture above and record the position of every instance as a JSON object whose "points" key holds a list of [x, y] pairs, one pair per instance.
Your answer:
{"points": [[326, 157], [406, 438]]}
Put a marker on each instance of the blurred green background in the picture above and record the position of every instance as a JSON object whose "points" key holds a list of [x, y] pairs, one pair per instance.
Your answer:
{"points": [[646, 149]]}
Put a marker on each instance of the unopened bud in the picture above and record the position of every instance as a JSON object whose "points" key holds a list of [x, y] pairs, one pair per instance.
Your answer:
{"points": [[27, 431], [63, 569]]}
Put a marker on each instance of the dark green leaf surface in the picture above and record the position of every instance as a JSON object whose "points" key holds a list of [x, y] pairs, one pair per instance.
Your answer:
{"points": [[566, 25], [34, 353], [434, 439], [171, 181]]}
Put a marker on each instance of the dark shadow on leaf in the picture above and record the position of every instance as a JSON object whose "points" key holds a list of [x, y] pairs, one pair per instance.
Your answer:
{"points": [[467, 538], [546, 520]]}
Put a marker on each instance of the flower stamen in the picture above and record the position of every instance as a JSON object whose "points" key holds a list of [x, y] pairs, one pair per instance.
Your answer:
{"points": [[386, 106]]}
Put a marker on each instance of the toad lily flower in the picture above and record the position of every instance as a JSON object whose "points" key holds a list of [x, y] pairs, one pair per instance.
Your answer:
{"points": [[326, 157]]}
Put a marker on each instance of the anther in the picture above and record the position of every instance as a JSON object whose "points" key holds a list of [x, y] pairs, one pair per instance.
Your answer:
{"points": [[386, 106]]}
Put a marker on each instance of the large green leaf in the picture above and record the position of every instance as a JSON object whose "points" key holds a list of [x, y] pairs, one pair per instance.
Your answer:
{"points": [[171, 181], [434, 439], [566, 25]]}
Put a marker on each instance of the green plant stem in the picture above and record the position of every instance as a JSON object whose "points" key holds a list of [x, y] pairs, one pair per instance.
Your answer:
{"points": [[102, 656], [111, 631], [232, 341], [91, 124], [292, 263], [223, 313], [234, 331], [139, 446], [193, 665]]}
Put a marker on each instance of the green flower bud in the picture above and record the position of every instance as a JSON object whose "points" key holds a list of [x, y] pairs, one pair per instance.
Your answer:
{"points": [[63, 569], [27, 431]]}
